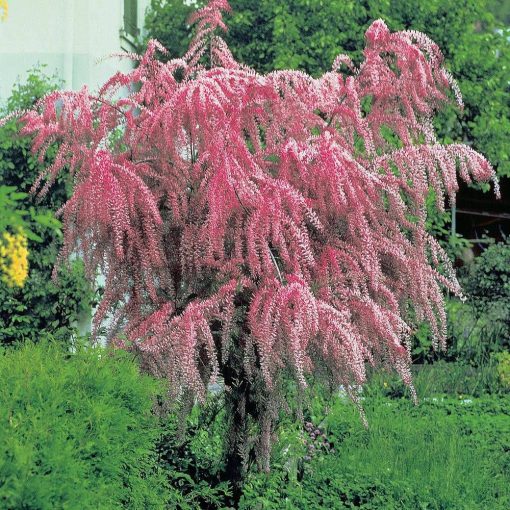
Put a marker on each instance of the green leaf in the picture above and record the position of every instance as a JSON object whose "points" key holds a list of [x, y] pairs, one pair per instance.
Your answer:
{"points": [[32, 235]]}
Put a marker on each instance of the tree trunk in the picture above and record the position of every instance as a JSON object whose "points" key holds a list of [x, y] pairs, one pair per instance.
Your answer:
{"points": [[236, 443], [238, 412]]}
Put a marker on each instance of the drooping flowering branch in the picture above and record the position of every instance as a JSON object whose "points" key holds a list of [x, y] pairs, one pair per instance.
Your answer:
{"points": [[266, 211]]}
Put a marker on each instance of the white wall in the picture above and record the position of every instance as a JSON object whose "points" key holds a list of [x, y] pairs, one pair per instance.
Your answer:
{"points": [[69, 36]]}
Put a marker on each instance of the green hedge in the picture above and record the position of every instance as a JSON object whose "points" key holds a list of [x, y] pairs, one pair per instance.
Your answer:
{"points": [[76, 431]]}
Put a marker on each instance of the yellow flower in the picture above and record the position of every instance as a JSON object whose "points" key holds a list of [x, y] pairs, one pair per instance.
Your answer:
{"points": [[14, 259], [4, 9]]}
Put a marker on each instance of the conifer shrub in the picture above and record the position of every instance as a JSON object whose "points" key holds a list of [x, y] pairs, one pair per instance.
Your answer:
{"points": [[76, 430]]}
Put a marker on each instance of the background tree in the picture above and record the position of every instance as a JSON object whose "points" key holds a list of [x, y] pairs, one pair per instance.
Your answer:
{"points": [[308, 34], [261, 227]]}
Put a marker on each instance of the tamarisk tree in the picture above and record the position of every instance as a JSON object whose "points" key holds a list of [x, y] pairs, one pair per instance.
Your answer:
{"points": [[261, 227]]}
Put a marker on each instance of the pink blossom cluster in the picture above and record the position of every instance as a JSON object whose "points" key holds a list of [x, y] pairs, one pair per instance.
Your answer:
{"points": [[268, 210]]}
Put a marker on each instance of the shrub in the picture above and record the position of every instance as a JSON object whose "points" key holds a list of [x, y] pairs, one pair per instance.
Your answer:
{"points": [[261, 227], [192, 458], [480, 327], [488, 288], [41, 307], [76, 430]]}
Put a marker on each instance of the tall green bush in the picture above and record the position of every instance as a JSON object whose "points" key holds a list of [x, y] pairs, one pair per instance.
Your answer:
{"points": [[41, 307], [77, 431], [488, 288]]}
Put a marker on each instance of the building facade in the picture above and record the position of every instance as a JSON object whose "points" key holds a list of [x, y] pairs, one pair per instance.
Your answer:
{"points": [[70, 38]]}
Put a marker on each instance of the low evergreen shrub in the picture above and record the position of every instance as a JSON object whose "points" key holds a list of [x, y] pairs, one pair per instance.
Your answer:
{"points": [[77, 431]]}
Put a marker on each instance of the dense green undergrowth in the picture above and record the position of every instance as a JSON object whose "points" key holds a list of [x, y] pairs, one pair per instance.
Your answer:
{"points": [[446, 453], [78, 430], [42, 307]]}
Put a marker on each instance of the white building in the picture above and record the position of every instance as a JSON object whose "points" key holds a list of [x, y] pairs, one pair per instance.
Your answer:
{"points": [[69, 37]]}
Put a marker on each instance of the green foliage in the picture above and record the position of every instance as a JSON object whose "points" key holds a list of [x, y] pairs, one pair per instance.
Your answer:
{"points": [[42, 307], [501, 10], [439, 225], [487, 316], [480, 326], [447, 453], [14, 217], [440, 378], [475, 333], [472, 337], [192, 458], [488, 284], [503, 368], [76, 430], [168, 21], [37, 84]]}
